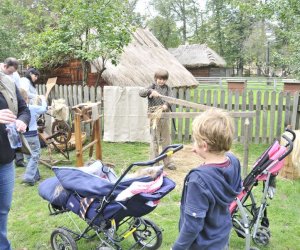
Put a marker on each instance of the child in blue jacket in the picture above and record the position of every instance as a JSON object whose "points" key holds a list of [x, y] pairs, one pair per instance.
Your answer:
{"points": [[205, 220], [32, 174]]}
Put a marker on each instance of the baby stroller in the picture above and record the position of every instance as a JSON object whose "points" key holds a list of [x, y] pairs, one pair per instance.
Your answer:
{"points": [[112, 207], [249, 217]]}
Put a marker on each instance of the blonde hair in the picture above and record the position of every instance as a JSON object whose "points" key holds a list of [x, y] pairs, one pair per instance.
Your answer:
{"points": [[24, 94], [215, 127]]}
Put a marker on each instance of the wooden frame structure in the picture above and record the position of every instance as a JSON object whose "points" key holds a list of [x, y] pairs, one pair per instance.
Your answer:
{"points": [[87, 113]]}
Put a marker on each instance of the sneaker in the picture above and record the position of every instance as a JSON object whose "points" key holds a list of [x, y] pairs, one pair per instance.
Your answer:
{"points": [[21, 164], [171, 166], [271, 192], [27, 182]]}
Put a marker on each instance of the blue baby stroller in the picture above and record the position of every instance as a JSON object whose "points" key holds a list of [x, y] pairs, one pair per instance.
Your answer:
{"points": [[112, 207]]}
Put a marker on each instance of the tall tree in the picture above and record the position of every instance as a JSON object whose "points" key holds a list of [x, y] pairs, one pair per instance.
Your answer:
{"points": [[82, 29], [180, 11]]}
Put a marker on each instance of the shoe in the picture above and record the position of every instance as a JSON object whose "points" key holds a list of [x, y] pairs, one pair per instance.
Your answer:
{"points": [[271, 192], [29, 183], [171, 166], [21, 164]]}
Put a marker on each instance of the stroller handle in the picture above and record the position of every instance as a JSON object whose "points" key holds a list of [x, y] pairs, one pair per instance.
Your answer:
{"points": [[289, 145], [168, 151], [292, 133]]}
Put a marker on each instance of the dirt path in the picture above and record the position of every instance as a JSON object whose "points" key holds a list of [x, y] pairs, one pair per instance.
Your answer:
{"points": [[184, 160]]}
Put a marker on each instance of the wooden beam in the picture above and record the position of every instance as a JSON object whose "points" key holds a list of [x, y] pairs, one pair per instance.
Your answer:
{"points": [[181, 102], [242, 114]]}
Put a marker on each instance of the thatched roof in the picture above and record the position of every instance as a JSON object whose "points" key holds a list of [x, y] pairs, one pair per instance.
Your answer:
{"points": [[197, 55], [140, 59]]}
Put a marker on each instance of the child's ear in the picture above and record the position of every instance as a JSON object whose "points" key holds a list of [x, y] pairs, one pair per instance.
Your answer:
{"points": [[205, 146]]}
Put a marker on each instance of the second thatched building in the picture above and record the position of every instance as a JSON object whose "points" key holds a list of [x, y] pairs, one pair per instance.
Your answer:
{"points": [[200, 60]]}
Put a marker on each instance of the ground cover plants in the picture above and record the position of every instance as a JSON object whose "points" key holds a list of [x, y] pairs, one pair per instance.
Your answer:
{"points": [[30, 225]]}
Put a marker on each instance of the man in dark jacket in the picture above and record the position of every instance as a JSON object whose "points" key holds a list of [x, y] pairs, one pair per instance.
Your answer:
{"points": [[13, 109]]}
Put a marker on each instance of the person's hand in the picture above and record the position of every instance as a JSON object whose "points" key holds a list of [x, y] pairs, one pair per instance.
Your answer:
{"points": [[7, 116], [21, 126], [154, 93], [165, 107]]}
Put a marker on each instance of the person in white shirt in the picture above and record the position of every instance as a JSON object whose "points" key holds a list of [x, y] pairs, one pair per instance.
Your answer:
{"points": [[28, 84]]}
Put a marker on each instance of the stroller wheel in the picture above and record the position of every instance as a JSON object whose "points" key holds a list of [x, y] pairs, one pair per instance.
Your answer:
{"points": [[265, 229], [148, 235], [62, 240], [262, 238]]}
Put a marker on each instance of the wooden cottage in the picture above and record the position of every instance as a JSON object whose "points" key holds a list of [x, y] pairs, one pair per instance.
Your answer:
{"points": [[200, 60], [136, 67]]}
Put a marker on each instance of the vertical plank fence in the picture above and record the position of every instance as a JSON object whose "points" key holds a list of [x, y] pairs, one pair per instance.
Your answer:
{"points": [[274, 110]]}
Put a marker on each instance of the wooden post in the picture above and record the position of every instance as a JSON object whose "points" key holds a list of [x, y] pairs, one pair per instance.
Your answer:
{"points": [[246, 148], [78, 141], [98, 138]]}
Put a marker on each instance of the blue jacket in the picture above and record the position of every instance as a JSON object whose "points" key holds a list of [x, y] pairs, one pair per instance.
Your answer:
{"points": [[35, 111], [205, 220]]}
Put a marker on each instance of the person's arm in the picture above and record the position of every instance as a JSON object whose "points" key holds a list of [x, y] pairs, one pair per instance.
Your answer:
{"points": [[195, 208], [23, 117], [40, 109], [145, 92]]}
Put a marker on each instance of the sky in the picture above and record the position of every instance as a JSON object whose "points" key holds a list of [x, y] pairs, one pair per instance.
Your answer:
{"points": [[144, 8]]}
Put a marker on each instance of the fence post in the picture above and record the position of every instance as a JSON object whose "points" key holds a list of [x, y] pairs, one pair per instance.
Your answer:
{"points": [[297, 125], [246, 148]]}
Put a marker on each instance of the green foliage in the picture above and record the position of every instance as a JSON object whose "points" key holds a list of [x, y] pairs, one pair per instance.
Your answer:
{"points": [[80, 29], [11, 33]]}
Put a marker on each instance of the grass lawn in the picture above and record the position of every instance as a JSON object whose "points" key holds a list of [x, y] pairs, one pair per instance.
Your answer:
{"points": [[30, 225]]}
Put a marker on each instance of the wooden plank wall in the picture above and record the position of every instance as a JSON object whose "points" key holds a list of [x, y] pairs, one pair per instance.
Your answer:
{"points": [[274, 110]]}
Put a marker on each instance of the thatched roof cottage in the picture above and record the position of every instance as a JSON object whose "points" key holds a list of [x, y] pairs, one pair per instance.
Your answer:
{"points": [[136, 67], [199, 59]]}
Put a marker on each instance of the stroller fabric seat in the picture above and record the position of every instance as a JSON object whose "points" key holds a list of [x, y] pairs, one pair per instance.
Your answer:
{"points": [[72, 187]]}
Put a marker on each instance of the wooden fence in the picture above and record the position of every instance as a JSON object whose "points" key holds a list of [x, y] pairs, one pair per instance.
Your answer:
{"points": [[274, 109]]}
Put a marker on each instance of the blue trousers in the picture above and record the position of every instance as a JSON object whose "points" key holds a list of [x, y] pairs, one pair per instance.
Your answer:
{"points": [[32, 171], [7, 179]]}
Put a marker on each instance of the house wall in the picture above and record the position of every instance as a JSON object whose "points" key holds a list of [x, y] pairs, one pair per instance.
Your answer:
{"points": [[207, 72], [71, 74]]}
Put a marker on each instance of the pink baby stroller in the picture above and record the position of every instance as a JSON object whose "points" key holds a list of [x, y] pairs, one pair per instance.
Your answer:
{"points": [[249, 217]]}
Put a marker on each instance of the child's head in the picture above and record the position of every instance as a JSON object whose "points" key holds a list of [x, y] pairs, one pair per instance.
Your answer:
{"points": [[215, 128], [161, 76], [24, 94]]}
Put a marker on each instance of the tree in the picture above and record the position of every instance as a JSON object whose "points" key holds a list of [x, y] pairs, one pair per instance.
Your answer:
{"points": [[80, 29], [11, 33], [179, 12]]}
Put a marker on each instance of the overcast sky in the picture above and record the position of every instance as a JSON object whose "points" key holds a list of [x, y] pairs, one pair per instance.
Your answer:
{"points": [[144, 8]]}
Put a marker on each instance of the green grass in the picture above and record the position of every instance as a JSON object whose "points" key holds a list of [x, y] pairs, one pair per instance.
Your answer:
{"points": [[30, 225]]}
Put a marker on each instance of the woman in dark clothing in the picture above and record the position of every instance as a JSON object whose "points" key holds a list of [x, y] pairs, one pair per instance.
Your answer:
{"points": [[13, 109]]}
